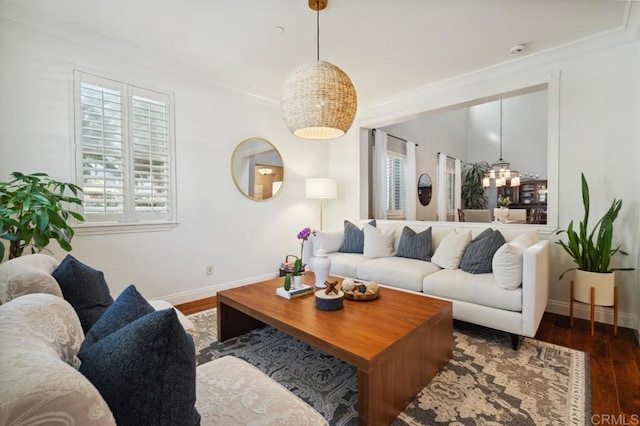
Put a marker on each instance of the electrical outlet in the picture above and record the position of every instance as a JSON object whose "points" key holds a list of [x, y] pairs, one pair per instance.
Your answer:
{"points": [[209, 269]]}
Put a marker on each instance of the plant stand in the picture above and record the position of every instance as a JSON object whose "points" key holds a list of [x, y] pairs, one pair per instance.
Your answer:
{"points": [[593, 308]]}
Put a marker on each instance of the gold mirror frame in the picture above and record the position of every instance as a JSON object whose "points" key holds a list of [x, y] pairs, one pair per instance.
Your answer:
{"points": [[257, 169]]}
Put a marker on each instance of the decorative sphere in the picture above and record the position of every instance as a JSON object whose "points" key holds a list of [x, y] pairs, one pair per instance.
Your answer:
{"points": [[348, 284]]}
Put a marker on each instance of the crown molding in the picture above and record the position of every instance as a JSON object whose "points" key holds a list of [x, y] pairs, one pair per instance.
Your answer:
{"points": [[409, 104], [127, 51], [404, 104]]}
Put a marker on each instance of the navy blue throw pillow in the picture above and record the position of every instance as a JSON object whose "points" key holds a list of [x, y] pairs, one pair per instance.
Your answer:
{"points": [[415, 246], [145, 371], [128, 307], [478, 256], [84, 288], [353, 241]]}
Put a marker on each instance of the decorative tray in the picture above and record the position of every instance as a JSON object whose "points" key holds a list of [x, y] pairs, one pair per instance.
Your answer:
{"points": [[360, 290]]}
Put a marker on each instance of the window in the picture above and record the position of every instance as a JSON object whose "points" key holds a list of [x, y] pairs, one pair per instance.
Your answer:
{"points": [[125, 148], [396, 185]]}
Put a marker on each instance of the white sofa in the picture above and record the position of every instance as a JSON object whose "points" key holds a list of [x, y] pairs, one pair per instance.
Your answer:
{"points": [[477, 298], [39, 368]]}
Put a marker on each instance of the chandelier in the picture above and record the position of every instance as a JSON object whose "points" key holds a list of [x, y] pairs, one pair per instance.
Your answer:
{"points": [[501, 170], [318, 98]]}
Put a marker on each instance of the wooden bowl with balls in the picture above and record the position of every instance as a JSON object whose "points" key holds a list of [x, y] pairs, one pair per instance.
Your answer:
{"points": [[360, 290]]}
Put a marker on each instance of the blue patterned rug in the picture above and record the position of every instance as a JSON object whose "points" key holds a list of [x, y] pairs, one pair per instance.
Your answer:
{"points": [[486, 382]]}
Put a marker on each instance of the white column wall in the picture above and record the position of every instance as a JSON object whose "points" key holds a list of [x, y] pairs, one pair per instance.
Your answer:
{"points": [[599, 134]]}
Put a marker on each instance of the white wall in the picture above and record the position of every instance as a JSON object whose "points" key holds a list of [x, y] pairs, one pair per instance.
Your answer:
{"points": [[524, 133], [218, 226], [446, 133], [599, 134]]}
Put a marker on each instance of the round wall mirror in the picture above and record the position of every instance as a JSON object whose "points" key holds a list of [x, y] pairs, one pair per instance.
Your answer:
{"points": [[424, 189], [257, 169]]}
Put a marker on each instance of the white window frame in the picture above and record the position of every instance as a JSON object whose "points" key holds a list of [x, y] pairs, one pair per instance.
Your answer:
{"points": [[129, 220], [392, 211]]}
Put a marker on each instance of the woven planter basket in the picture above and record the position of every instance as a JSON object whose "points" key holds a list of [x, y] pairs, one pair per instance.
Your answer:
{"points": [[314, 84]]}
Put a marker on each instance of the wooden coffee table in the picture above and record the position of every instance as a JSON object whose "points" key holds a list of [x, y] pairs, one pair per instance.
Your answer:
{"points": [[398, 342]]}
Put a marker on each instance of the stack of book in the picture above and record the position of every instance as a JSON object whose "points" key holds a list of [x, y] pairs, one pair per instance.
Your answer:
{"points": [[293, 292]]}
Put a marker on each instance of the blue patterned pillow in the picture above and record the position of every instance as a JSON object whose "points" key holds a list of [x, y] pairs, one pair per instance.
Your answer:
{"points": [[415, 246], [353, 241], [478, 256], [84, 288], [145, 371]]}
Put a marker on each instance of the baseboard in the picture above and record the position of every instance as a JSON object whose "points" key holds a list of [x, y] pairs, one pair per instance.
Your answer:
{"points": [[603, 314], [204, 292]]}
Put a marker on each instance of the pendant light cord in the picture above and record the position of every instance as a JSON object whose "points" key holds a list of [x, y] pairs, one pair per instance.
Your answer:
{"points": [[500, 129], [317, 30]]}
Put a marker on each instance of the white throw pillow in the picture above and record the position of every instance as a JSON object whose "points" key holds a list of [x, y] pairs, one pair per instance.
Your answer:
{"points": [[451, 249], [523, 241], [507, 266], [378, 242]]}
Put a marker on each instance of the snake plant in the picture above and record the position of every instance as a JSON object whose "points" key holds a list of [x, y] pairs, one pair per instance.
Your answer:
{"points": [[592, 251]]}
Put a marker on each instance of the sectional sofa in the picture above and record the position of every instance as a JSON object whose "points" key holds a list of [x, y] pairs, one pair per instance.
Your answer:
{"points": [[511, 296], [46, 379]]}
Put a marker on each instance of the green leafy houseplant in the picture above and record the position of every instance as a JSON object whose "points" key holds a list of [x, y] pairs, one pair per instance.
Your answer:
{"points": [[592, 252], [473, 195], [33, 212]]}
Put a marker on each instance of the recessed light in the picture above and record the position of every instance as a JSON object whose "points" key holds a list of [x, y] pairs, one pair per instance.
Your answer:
{"points": [[517, 49]]}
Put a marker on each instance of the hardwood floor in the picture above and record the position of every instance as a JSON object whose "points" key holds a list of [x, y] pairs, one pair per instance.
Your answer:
{"points": [[614, 362], [615, 366]]}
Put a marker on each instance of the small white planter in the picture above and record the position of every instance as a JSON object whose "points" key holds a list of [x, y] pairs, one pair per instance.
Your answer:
{"points": [[603, 284], [604, 294], [297, 282]]}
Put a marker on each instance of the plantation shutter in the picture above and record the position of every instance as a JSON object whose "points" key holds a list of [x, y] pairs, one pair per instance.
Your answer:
{"points": [[151, 154], [123, 134], [395, 185], [102, 131]]}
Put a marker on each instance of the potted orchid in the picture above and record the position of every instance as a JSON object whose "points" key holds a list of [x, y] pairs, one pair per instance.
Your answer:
{"points": [[297, 266]]}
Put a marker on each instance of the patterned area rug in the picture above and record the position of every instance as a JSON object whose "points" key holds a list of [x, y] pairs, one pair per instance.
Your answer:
{"points": [[485, 383]]}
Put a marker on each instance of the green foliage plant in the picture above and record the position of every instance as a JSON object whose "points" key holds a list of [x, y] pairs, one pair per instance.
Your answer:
{"points": [[33, 211], [297, 270], [473, 195], [592, 251]]}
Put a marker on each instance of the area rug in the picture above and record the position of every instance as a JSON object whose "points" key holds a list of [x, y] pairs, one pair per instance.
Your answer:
{"points": [[485, 383]]}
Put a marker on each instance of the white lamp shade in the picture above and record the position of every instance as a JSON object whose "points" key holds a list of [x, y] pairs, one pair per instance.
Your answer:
{"points": [[321, 188]]}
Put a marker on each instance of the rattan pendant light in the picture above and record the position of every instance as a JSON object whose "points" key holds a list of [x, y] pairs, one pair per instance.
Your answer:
{"points": [[318, 98]]}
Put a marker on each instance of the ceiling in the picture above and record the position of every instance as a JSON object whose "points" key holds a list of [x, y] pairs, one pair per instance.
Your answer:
{"points": [[386, 47]]}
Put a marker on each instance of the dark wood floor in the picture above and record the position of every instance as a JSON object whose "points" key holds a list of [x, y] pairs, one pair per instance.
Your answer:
{"points": [[615, 366], [614, 360]]}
